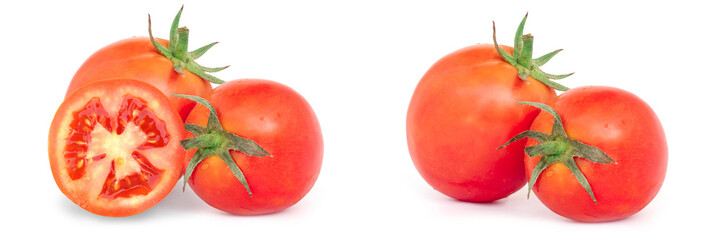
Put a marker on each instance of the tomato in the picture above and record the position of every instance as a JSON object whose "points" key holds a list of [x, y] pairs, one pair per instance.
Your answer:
{"points": [[114, 147], [137, 58], [627, 130], [283, 124], [465, 107]]}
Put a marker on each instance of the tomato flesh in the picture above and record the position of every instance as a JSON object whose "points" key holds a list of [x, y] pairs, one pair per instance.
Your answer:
{"points": [[114, 147], [76, 147], [81, 139], [137, 184]]}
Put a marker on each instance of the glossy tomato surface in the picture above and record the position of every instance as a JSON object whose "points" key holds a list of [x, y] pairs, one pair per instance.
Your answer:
{"points": [[283, 123], [114, 147], [463, 108], [627, 130], [136, 58]]}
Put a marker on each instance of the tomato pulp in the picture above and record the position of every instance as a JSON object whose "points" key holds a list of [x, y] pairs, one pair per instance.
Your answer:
{"points": [[114, 147]]}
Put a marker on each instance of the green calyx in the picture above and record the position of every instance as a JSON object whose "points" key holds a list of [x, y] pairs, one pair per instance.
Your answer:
{"points": [[177, 51], [521, 58], [558, 147], [214, 140]]}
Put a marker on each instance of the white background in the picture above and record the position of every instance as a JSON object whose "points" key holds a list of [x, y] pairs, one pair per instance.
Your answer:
{"points": [[358, 64]]}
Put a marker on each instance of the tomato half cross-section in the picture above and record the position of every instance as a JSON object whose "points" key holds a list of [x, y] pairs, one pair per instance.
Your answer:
{"points": [[114, 147], [465, 106], [227, 167]]}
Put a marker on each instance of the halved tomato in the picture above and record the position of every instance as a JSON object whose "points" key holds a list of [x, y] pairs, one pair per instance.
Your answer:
{"points": [[114, 147]]}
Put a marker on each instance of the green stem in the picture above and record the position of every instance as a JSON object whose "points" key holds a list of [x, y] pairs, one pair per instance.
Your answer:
{"points": [[522, 58], [214, 140], [206, 140], [558, 146], [181, 52], [526, 52], [177, 51]]}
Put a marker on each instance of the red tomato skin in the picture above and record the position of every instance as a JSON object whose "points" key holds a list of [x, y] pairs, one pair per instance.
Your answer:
{"points": [[463, 108], [136, 58], [283, 123], [626, 129]]}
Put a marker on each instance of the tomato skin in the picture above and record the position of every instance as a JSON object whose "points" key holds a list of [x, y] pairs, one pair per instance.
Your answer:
{"points": [[626, 129], [463, 108], [136, 58], [85, 191], [283, 123]]}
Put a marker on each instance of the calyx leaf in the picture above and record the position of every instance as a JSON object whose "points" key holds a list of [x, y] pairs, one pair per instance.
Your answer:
{"points": [[558, 147], [214, 140], [521, 58], [177, 51]]}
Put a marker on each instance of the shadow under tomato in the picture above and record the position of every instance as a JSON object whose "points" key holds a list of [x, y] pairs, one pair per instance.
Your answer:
{"points": [[75, 211], [179, 202], [176, 203], [515, 205]]}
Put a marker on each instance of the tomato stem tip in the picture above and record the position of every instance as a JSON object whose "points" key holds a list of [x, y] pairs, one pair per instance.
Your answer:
{"points": [[522, 58]]}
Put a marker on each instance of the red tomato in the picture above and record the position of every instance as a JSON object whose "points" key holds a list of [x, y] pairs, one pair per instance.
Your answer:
{"points": [[465, 107], [461, 111], [114, 147], [282, 123], [628, 131], [135, 58]]}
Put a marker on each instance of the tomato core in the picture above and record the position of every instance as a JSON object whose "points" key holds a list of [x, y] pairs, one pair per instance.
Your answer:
{"points": [[96, 138]]}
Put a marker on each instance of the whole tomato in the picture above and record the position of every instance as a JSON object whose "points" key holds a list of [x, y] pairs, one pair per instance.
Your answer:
{"points": [[608, 164], [465, 106], [274, 143], [167, 65]]}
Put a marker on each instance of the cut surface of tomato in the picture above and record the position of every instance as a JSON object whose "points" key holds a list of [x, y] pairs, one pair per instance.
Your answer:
{"points": [[114, 147]]}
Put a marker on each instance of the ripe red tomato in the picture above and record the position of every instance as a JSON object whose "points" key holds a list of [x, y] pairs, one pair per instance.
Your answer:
{"points": [[628, 131], [461, 111], [281, 122], [114, 147], [137, 58], [463, 108]]}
